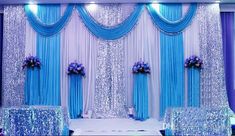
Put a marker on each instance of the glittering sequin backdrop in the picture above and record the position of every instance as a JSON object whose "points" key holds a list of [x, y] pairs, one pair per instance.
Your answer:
{"points": [[110, 90], [213, 92], [13, 55]]}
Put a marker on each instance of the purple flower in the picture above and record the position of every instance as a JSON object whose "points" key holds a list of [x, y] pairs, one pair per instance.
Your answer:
{"points": [[141, 67], [76, 68], [193, 61], [31, 62]]}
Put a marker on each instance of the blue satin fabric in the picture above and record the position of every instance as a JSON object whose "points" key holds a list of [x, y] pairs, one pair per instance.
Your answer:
{"points": [[168, 132], [65, 131], [75, 96], [193, 87], [172, 62], [31, 90], [48, 51], [141, 96], [110, 33], [174, 26], [48, 29]]}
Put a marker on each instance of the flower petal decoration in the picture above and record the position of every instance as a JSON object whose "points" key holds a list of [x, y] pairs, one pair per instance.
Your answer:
{"points": [[31, 62], [76, 68], [141, 67], [193, 62]]}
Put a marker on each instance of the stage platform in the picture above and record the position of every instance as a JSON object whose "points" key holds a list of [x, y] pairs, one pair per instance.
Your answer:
{"points": [[118, 127]]}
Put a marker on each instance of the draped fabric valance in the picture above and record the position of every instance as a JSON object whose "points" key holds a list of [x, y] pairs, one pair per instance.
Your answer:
{"points": [[48, 29], [115, 32], [172, 26]]}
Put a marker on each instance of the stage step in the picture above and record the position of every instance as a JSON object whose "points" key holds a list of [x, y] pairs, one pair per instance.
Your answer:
{"points": [[120, 127]]}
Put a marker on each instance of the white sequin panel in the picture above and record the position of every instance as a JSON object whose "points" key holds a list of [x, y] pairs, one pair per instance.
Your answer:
{"points": [[13, 55], [110, 92], [212, 81]]}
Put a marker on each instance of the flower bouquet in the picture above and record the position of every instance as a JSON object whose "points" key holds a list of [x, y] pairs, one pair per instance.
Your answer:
{"points": [[193, 62], [76, 68], [141, 67], [31, 62]]}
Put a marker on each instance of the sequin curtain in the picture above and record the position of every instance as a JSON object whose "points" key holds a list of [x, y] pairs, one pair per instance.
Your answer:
{"points": [[13, 55], [141, 42], [212, 82], [109, 96]]}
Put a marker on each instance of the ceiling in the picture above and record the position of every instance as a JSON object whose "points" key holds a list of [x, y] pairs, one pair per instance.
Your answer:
{"points": [[112, 1]]}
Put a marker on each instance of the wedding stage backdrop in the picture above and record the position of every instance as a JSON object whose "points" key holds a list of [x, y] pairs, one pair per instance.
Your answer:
{"points": [[108, 39]]}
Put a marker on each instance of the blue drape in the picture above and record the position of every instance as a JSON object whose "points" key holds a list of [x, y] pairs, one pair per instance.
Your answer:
{"points": [[48, 29], [228, 35], [141, 96], [193, 87], [174, 26], [75, 96], [172, 62], [1, 44], [65, 131], [31, 90], [108, 33], [168, 132], [48, 51]]}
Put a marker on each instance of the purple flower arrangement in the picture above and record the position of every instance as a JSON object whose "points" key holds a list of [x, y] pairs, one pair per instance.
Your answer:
{"points": [[76, 68], [193, 61], [141, 67], [31, 62]]}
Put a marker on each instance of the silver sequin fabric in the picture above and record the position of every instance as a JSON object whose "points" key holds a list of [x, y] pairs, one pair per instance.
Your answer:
{"points": [[13, 55], [34, 120], [212, 81], [110, 100], [204, 121]]}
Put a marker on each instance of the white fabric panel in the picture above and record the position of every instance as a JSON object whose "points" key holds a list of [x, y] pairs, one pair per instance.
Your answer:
{"points": [[191, 43], [143, 43], [191, 37], [77, 43], [30, 43]]}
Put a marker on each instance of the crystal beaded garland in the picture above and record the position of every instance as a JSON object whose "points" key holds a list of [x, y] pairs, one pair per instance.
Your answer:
{"points": [[212, 77], [13, 55]]}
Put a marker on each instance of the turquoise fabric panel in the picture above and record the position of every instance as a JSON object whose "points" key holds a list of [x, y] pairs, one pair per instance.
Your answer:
{"points": [[110, 33], [141, 96], [172, 26], [193, 87], [75, 96], [31, 90], [48, 29], [172, 62], [48, 51]]}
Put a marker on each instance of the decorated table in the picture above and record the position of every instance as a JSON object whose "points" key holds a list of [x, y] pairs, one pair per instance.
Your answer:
{"points": [[198, 121], [35, 120]]}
